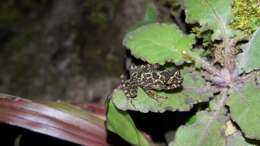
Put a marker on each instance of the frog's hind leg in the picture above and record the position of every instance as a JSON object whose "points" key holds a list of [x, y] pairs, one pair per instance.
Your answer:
{"points": [[154, 95], [130, 92], [130, 101]]}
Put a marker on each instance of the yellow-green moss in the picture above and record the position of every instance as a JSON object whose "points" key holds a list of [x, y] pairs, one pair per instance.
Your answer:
{"points": [[246, 15]]}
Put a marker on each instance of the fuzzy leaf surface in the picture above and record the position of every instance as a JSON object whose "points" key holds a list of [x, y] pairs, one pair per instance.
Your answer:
{"points": [[249, 60], [210, 14], [200, 133], [122, 124], [158, 43], [237, 139], [194, 91], [244, 108]]}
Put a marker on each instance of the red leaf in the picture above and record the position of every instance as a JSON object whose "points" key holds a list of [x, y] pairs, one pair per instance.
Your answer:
{"points": [[82, 128], [95, 108]]}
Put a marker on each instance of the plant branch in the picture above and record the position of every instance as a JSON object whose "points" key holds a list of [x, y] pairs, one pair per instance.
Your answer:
{"points": [[204, 64], [203, 90], [250, 76], [221, 103], [177, 16], [214, 116], [219, 20], [230, 52], [228, 55]]}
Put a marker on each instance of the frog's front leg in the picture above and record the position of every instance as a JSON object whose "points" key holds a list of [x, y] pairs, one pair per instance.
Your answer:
{"points": [[153, 94], [130, 90]]}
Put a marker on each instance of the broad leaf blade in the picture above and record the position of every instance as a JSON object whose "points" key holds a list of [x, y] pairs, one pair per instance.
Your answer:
{"points": [[244, 108], [195, 90], [151, 13], [158, 43], [121, 123], [237, 139], [149, 17], [203, 131], [76, 126], [249, 60], [210, 14]]}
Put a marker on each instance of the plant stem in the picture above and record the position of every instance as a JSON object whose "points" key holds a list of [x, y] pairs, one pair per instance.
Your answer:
{"points": [[203, 90], [220, 105], [230, 52], [228, 55], [250, 76], [204, 64]]}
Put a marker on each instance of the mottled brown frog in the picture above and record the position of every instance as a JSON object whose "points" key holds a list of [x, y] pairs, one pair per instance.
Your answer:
{"points": [[151, 79]]}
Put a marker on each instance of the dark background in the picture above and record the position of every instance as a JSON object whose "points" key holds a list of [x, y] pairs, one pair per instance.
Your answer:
{"points": [[65, 49]]}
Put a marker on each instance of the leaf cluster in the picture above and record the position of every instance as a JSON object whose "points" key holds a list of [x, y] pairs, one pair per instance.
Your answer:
{"points": [[227, 79]]}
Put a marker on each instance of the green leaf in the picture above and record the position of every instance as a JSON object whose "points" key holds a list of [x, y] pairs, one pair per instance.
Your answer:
{"points": [[214, 104], [205, 131], [195, 90], [149, 17], [158, 43], [210, 14], [121, 123], [244, 109], [249, 60], [237, 139], [151, 13], [74, 110]]}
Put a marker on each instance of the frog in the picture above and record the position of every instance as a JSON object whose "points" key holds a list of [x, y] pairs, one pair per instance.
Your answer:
{"points": [[151, 79]]}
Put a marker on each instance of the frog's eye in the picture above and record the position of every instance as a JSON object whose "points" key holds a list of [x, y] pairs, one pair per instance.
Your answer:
{"points": [[166, 75]]}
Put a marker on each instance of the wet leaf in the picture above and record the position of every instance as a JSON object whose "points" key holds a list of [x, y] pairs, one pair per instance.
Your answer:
{"points": [[249, 60], [244, 109], [77, 126], [210, 14], [237, 139], [149, 17], [122, 124], [195, 90], [151, 13], [207, 130], [158, 43]]}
